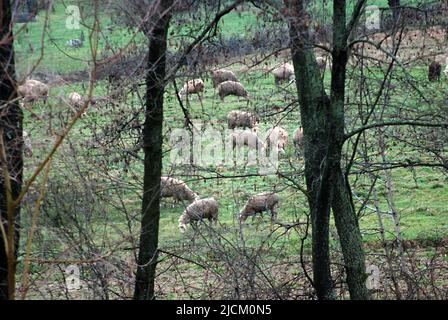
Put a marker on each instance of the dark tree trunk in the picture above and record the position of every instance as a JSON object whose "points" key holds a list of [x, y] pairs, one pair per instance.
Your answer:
{"points": [[314, 108], [323, 122], [343, 209], [11, 121], [394, 5], [152, 146]]}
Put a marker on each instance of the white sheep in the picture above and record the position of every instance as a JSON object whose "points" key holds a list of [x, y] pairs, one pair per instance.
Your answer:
{"points": [[265, 201], [192, 86], [222, 75], [284, 73], [27, 145], [32, 90], [197, 211], [279, 135], [228, 88], [171, 187], [75, 100], [245, 138], [241, 119]]}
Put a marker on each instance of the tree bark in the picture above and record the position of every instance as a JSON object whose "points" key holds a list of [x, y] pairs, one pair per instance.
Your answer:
{"points": [[152, 146], [394, 5], [343, 208], [314, 108], [11, 121], [323, 121]]}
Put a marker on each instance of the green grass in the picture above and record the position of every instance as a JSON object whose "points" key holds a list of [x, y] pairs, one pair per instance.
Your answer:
{"points": [[422, 204]]}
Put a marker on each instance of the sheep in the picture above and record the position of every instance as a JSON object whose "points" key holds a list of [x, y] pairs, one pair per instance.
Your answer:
{"points": [[434, 71], [32, 90], [277, 134], [171, 187], [446, 68], [197, 211], [75, 100], [222, 75], [27, 146], [298, 138], [283, 73], [265, 201], [228, 88], [241, 119], [192, 86], [245, 138], [322, 62]]}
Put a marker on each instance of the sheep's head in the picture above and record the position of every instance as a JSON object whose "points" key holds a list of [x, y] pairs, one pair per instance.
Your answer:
{"points": [[182, 227], [183, 220], [242, 216]]}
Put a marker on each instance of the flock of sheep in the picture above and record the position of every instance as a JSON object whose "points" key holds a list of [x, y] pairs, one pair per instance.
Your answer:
{"points": [[226, 83], [208, 208]]}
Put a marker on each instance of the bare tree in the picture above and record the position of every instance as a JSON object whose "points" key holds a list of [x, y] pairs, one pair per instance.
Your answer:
{"points": [[323, 122], [152, 147], [11, 121]]}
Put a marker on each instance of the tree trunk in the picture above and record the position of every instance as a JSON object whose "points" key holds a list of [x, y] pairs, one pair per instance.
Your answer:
{"points": [[323, 122], [152, 146], [342, 205], [394, 5], [11, 121], [314, 106]]}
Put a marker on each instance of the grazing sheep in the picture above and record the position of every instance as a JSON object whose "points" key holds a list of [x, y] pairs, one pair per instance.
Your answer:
{"points": [[75, 100], [446, 68], [279, 134], [228, 88], [298, 138], [434, 71], [245, 138], [171, 187], [197, 211], [222, 75], [241, 119], [283, 73], [192, 86], [32, 90], [27, 146], [265, 201]]}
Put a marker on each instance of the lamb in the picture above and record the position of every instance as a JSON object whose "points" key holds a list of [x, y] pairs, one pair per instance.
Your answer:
{"points": [[171, 187], [197, 211], [222, 75], [27, 146], [434, 71], [228, 88], [32, 90], [241, 119], [298, 138], [192, 86], [277, 134], [283, 73], [265, 201], [245, 138]]}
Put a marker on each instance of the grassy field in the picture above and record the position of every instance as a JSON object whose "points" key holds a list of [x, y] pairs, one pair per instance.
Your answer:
{"points": [[421, 196]]}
